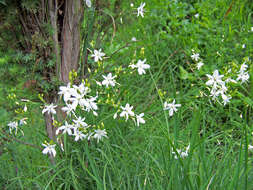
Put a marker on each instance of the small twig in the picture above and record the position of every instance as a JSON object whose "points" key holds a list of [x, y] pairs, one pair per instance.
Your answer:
{"points": [[229, 9], [19, 141]]}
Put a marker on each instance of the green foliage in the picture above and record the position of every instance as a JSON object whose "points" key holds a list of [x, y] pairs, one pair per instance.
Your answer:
{"points": [[142, 157]]}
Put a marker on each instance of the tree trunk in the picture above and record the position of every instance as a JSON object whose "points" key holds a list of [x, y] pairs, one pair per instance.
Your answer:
{"points": [[67, 50], [71, 37]]}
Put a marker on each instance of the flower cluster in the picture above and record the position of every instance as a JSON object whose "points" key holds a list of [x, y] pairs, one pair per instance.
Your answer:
{"points": [[196, 57], [218, 87], [78, 96], [14, 125], [75, 97], [243, 74], [127, 111]]}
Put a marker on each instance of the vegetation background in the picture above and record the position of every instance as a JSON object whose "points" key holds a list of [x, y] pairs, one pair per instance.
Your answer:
{"points": [[131, 157]]}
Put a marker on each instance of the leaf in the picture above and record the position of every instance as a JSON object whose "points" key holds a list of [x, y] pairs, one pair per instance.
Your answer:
{"points": [[183, 73]]}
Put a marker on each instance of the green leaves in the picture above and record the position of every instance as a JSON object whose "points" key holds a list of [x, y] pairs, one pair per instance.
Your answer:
{"points": [[185, 75]]}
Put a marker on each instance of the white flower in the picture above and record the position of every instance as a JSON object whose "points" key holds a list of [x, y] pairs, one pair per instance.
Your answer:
{"points": [[88, 3], [49, 149], [77, 99], [133, 39], [243, 76], [131, 4], [181, 153], [50, 109], [215, 79], [67, 128], [196, 15], [251, 29], [115, 115], [139, 119], [243, 67], [225, 98], [200, 64], [66, 91], [13, 125], [250, 147], [99, 134], [25, 108], [79, 135], [80, 122], [230, 80], [215, 93], [98, 83], [82, 89], [90, 104], [195, 56], [98, 55], [172, 107], [243, 46], [127, 110], [141, 66], [22, 121], [68, 108], [109, 80], [140, 10]]}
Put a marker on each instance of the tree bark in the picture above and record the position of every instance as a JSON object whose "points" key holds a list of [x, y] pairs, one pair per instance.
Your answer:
{"points": [[53, 13], [67, 51], [71, 38]]}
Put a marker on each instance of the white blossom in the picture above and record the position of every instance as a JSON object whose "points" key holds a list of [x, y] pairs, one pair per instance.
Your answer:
{"points": [[69, 108], [200, 64], [127, 110], [79, 122], [99, 134], [108, 80], [49, 149], [88, 3], [79, 135], [140, 10], [195, 56], [172, 107], [81, 89], [141, 66], [98, 54], [181, 153], [67, 128], [49, 109], [215, 79], [139, 119], [226, 98], [243, 74], [13, 126], [25, 108], [66, 91], [250, 147]]}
